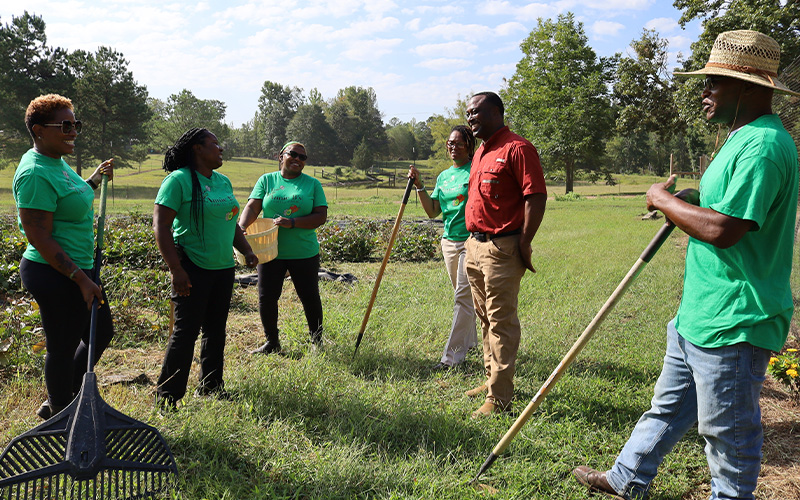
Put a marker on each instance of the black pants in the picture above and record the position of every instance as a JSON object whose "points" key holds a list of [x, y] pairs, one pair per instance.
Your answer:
{"points": [[305, 276], [206, 307], [65, 319]]}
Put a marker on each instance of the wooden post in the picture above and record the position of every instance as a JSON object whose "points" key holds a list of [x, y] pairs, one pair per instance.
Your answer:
{"points": [[671, 164]]}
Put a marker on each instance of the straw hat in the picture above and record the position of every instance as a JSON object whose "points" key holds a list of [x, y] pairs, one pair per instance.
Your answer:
{"points": [[746, 55]]}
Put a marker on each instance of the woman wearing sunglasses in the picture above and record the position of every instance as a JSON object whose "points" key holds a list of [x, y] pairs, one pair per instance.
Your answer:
{"points": [[296, 203], [55, 212], [449, 198]]}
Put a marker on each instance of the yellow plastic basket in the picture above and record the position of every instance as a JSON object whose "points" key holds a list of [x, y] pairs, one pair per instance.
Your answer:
{"points": [[262, 235]]}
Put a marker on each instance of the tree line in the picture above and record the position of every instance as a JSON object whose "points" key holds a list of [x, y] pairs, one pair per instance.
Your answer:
{"points": [[586, 114]]}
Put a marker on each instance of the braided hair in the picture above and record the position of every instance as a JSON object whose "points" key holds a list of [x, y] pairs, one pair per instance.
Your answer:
{"points": [[466, 134], [180, 155]]}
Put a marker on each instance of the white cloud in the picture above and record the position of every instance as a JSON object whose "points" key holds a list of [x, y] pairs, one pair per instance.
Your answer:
{"points": [[606, 28], [445, 64], [446, 49], [413, 25], [662, 25], [367, 50]]}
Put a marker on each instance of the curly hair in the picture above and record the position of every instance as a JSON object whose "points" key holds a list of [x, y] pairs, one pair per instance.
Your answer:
{"points": [[466, 134], [43, 108], [180, 155]]}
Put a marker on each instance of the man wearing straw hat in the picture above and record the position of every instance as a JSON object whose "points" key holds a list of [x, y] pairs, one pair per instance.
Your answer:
{"points": [[736, 304]]}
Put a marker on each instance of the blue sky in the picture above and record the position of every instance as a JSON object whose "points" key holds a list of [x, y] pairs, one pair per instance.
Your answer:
{"points": [[418, 55]]}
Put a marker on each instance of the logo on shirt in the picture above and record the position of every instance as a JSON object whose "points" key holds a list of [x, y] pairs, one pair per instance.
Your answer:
{"points": [[500, 160], [230, 215], [457, 201], [289, 211]]}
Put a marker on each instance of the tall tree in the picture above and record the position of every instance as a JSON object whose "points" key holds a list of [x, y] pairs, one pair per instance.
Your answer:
{"points": [[112, 106], [423, 138], [276, 107], [363, 156], [558, 96], [28, 68], [644, 90], [310, 127], [355, 116], [402, 144], [183, 111]]}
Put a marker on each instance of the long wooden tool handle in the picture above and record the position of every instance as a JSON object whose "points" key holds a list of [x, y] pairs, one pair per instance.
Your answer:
{"points": [[383, 264]]}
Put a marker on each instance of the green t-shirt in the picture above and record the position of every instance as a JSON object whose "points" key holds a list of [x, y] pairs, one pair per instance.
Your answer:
{"points": [[742, 293], [47, 184], [451, 192], [291, 198], [214, 248]]}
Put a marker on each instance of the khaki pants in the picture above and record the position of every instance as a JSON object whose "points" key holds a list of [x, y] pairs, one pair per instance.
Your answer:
{"points": [[495, 269], [463, 335]]}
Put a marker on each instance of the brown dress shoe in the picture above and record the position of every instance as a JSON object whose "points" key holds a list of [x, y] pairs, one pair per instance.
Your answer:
{"points": [[595, 480], [477, 391]]}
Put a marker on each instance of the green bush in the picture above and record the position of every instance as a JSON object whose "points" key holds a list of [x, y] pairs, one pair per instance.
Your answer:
{"points": [[571, 196], [130, 241], [348, 241], [415, 243]]}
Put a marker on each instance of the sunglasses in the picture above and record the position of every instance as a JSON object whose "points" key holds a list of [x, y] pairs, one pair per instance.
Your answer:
{"points": [[454, 145], [295, 154], [711, 82], [66, 126]]}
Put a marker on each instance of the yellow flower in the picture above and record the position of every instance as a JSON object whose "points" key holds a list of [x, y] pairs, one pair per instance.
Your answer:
{"points": [[791, 350], [772, 360], [791, 372]]}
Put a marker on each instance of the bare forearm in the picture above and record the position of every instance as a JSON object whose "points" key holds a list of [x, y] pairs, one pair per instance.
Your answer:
{"points": [[534, 213], [704, 224], [430, 205]]}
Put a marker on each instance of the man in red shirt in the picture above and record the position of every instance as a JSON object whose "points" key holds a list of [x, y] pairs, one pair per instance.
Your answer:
{"points": [[505, 206]]}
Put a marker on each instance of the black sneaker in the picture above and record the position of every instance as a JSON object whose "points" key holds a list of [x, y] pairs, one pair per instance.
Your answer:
{"points": [[268, 348], [46, 410], [166, 403], [217, 392]]}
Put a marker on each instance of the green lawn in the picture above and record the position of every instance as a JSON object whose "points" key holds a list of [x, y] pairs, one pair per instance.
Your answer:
{"points": [[354, 195]]}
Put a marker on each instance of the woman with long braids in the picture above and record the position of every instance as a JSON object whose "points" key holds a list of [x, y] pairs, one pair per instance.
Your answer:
{"points": [[56, 216], [449, 198], [297, 205], [194, 220]]}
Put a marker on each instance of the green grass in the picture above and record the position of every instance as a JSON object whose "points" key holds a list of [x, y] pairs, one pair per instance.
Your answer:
{"points": [[384, 426]]}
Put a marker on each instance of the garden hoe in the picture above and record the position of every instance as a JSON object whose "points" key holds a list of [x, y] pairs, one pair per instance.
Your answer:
{"points": [[688, 195], [383, 265], [88, 450]]}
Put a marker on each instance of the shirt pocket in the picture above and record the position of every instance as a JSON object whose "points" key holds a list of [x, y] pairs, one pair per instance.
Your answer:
{"points": [[490, 183]]}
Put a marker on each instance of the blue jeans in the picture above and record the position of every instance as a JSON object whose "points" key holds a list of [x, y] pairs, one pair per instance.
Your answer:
{"points": [[717, 389]]}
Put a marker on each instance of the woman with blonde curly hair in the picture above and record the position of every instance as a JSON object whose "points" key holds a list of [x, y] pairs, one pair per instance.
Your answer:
{"points": [[55, 213]]}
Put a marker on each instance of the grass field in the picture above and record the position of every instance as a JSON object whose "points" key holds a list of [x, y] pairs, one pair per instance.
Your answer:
{"points": [[354, 194], [383, 425]]}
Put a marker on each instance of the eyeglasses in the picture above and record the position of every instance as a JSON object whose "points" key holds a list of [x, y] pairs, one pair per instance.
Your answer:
{"points": [[711, 82], [455, 145], [295, 154], [66, 126]]}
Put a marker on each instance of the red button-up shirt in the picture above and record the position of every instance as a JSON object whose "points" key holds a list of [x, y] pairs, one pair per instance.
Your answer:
{"points": [[505, 169]]}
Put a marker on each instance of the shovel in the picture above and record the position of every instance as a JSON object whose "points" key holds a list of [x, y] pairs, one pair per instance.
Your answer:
{"points": [[688, 195], [383, 265], [88, 450]]}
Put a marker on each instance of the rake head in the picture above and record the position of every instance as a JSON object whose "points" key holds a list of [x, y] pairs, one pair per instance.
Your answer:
{"points": [[89, 450]]}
